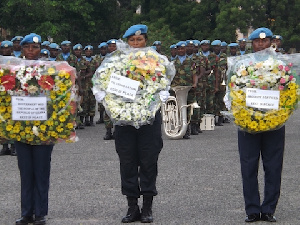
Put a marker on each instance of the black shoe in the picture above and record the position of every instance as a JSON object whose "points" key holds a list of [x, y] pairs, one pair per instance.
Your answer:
{"points": [[24, 220], [87, 123], [80, 126], [13, 150], [5, 150], [199, 129], [252, 218], [226, 120], [108, 135], [268, 217], [100, 121], [146, 216], [194, 129], [133, 214]]}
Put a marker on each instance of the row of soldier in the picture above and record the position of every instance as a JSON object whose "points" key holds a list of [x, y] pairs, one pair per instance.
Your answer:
{"points": [[201, 65]]}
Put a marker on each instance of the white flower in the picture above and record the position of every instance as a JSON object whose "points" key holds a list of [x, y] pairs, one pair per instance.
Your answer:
{"points": [[35, 130], [32, 89], [29, 69], [2, 88], [233, 78]]}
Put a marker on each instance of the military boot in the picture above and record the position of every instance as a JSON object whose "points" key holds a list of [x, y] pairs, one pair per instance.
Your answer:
{"points": [[87, 121], [187, 133], [146, 216], [133, 213], [80, 124], [219, 121], [199, 129], [100, 119], [13, 150], [194, 129], [5, 150], [92, 121], [108, 135]]}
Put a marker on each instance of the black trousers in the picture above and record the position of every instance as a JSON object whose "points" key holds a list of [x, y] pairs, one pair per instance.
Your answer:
{"points": [[34, 165], [270, 145], [138, 151]]}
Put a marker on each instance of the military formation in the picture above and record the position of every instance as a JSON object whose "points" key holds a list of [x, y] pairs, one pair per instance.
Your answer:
{"points": [[199, 64]]}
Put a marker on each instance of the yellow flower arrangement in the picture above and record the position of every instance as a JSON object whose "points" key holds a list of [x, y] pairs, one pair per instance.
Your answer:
{"points": [[55, 80], [270, 74]]}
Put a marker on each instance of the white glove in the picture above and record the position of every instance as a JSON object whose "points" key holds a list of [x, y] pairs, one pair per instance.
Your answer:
{"points": [[164, 95], [99, 96]]}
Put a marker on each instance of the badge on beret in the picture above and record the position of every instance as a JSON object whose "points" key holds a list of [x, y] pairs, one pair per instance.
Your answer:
{"points": [[277, 36], [35, 39], [138, 32], [182, 45], [45, 52], [89, 48], [18, 39], [78, 47], [262, 35], [6, 45]]}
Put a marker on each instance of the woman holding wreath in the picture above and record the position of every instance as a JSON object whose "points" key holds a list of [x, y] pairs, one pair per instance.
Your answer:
{"points": [[138, 148]]}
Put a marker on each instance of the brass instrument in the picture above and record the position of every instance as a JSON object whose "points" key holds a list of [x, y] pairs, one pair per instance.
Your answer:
{"points": [[174, 113]]}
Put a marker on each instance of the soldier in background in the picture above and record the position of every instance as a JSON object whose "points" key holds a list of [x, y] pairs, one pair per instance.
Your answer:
{"points": [[157, 44], [277, 40], [186, 75], [196, 47], [6, 50], [54, 51], [233, 49], [90, 101], [99, 58], [16, 46], [45, 44], [224, 47], [66, 54], [44, 55], [242, 45], [107, 122], [220, 81], [173, 50]]}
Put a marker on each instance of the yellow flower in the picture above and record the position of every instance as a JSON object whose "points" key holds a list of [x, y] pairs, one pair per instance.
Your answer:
{"points": [[54, 115], [50, 122], [62, 118], [61, 104], [27, 130], [36, 122], [18, 138], [62, 73], [70, 125], [9, 127], [43, 127], [2, 109], [67, 75], [51, 71], [62, 87]]}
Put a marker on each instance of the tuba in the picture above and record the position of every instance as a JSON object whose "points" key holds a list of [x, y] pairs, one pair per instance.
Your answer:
{"points": [[174, 113]]}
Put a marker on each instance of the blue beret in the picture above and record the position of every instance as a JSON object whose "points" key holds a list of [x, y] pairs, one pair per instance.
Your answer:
{"points": [[136, 30], [154, 47], [103, 44], [17, 38], [172, 46], [45, 43], [277, 37], [196, 42], [112, 41], [54, 46], [233, 45], [6, 44], [65, 43], [223, 44], [88, 47], [77, 46], [31, 38], [242, 39], [156, 43], [205, 42], [45, 51], [181, 44], [216, 42], [261, 32], [189, 42]]}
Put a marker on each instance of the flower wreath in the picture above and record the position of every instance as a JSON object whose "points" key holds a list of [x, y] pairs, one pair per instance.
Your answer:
{"points": [[264, 70], [27, 78], [154, 73]]}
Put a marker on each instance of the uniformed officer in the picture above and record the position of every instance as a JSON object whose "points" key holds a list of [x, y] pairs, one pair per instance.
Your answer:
{"points": [[220, 81], [33, 161], [111, 47], [173, 51], [44, 54], [54, 51], [157, 44], [66, 54], [196, 47], [45, 44], [186, 75], [90, 102], [233, 49], [6, 48], [16, 46], [242, 46], [224, 47], [99, 58], [277, 40], [270, 146]]}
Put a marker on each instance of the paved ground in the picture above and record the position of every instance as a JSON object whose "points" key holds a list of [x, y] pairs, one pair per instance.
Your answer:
{"points": [[199, 181]]}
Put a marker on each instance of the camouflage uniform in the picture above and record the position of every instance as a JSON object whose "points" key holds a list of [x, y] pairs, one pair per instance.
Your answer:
{"points": [[72, 59], [219, 104], [184, 77], [211, 78]]}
